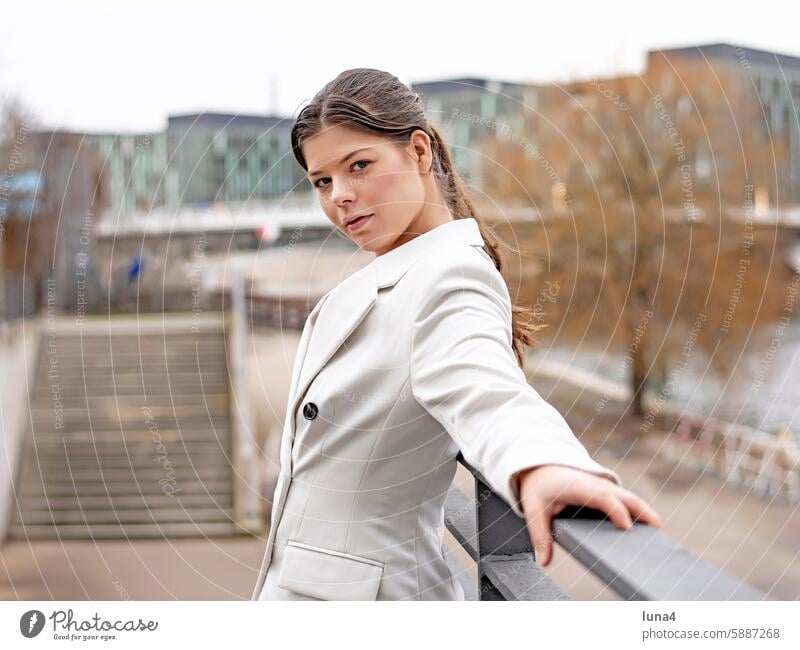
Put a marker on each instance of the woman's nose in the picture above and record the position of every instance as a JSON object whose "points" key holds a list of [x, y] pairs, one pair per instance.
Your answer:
{"points": [[342, 192]]}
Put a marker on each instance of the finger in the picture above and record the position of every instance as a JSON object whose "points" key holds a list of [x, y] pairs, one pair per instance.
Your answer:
{"points": [[612, 505], [640, 509], [540, 531]]}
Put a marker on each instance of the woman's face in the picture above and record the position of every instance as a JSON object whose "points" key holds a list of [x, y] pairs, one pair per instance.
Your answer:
{"points": [[356, 173]]}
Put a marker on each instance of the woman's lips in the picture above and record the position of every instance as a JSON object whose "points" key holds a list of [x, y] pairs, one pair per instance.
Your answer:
{"points": [[358, 223]]}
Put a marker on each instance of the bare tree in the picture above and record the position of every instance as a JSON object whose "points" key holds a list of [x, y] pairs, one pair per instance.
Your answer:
{"points": [[648, 187], [15, 117]]}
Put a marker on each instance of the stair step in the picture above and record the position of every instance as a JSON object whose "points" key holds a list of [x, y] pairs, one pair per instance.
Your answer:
{"points": [[150, 337], [184, 431], [112, 438], [155, 341], [52, 367], [130, 434], [188, 442], [146, 393], [114, 385], [112, 388], [65, 376], [157, 405], [134, 386], [97, 488], [70, 353], [31, 503], [149, 392], [134, 373], [129, 438], [136, 405], [131, 426], [144, 416], [159, 345], [136, 450], [68, 474], [97, 368], [52, 462], [116, 531], [129, 412], [74, 347], [126, 516]]}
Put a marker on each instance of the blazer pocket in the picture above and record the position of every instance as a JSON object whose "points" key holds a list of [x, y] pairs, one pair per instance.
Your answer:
{"points": [[329, 575]]}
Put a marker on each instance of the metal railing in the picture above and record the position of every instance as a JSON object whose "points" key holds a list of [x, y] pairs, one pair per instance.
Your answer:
{"points": [[640, 563]]}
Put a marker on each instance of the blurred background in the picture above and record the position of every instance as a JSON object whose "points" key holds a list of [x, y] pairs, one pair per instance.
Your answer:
{"points": [[160, 250]]}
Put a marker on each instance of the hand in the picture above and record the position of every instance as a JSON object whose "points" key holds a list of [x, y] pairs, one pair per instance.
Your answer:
{"points": [[545, 490]]}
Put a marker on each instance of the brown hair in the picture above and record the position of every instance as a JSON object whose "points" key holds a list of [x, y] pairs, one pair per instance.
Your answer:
{"points": [[378, 102]]}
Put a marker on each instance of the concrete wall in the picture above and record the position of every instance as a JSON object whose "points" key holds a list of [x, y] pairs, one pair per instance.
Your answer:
{"points": [[19, 353]]}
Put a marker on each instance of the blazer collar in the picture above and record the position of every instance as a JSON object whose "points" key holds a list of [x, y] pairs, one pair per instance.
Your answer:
{"points": [[341, 310], [391, 266]]}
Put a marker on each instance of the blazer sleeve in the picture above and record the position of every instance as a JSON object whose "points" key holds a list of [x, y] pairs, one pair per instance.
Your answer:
{"points": [[464, 372]]}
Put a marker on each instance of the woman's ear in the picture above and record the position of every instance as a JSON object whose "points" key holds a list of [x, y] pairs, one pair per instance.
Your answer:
{"points": [[421, 148]]}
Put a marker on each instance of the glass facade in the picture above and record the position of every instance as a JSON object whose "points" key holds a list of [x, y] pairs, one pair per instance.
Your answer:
{"points": [[133, 168], [468, 110], [199, 158]]}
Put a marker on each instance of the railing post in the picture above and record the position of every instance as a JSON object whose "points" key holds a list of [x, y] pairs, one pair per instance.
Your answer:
{"points": [[503, 550], [500, 533], [245, 450]]}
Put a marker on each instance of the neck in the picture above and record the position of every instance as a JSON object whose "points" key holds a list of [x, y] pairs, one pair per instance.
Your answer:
{"points": [[432, 215]]}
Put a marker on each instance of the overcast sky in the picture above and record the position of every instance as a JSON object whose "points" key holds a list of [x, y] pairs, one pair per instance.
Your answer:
{"points": [[124, 65]]}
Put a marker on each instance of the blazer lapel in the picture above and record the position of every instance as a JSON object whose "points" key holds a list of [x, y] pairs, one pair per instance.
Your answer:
{"points": [[302, 345], [337, 315]]}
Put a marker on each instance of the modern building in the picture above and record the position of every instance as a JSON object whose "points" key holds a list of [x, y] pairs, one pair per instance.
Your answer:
{"points": [[230, 157], [200, 158], [133, 169], [49, 205], [774, 77], [469, 110]]}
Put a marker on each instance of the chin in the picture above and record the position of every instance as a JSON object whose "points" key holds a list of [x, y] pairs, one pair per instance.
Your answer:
{"points": [[370, 247], [369, 241]]}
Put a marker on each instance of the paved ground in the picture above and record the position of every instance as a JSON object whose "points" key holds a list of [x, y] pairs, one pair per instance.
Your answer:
{"points": [[751, 538]]}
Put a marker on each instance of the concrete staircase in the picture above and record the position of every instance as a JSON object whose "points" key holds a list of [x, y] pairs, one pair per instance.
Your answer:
{"points": [[130, 432]]}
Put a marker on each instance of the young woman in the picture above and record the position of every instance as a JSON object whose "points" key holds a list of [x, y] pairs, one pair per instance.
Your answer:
{"points": [[411, 359]]}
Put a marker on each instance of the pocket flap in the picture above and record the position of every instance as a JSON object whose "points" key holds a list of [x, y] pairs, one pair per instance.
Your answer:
{"points": [[328, 574]]}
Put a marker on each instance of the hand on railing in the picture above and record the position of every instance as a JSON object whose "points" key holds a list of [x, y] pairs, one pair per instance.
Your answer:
{"points": [[545, 490]]}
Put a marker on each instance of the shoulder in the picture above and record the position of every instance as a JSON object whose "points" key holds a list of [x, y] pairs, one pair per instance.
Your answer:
{"points": [[453, 262], [457, 267], [448, 258]]}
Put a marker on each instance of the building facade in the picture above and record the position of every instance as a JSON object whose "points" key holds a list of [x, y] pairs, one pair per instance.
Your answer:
{"points": [[774, 79], [469, 110], [200, 158]]}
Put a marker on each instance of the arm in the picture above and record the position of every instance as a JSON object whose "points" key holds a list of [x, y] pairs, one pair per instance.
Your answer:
{"points": [[464, 373]]}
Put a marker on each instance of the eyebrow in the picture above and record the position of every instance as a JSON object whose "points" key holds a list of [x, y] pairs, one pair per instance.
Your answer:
{"points": [[352, 153]]}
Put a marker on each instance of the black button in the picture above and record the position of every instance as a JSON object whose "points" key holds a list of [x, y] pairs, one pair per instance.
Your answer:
{"points": [[310, 410]]}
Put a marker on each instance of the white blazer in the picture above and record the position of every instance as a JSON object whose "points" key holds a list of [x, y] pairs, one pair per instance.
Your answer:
{"points": [[402, 365]]}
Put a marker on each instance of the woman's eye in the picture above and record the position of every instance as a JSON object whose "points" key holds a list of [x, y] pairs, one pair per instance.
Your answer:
{"points": [[317, 182]]}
